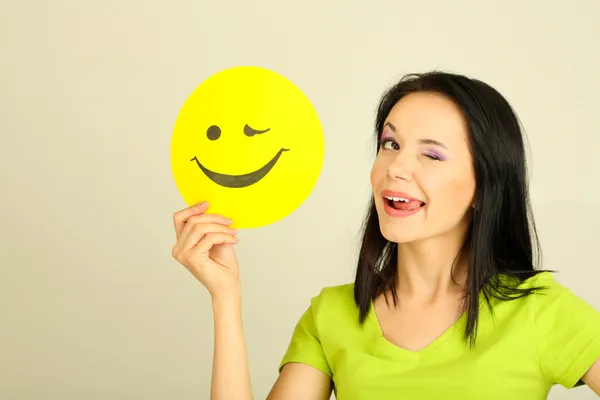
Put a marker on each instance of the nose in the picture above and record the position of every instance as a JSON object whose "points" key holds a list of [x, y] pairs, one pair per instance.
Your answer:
{"points": [[401, 168]]}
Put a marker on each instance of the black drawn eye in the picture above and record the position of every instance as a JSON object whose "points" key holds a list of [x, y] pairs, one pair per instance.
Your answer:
{"points": [[251, 132], [213, 132]]}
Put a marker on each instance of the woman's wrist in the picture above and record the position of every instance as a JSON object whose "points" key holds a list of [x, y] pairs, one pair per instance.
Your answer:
{"points": [[227, 301]]}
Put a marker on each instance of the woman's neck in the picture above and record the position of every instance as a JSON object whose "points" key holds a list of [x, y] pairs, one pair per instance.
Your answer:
{"points": [[432, 270]]}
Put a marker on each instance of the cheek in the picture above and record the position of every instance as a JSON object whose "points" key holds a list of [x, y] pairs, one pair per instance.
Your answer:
{"points": [[378, 172], [450, 194], [463, 193]]}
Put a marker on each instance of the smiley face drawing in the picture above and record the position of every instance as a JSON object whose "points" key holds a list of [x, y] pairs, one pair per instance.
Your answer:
{"points": [[250, 142]]}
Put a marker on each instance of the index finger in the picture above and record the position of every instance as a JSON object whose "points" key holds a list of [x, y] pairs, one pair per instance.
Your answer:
{"points": [[181, 216]]}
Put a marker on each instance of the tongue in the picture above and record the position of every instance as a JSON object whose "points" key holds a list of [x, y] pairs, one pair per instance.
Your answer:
{"points": [[406, 206]]}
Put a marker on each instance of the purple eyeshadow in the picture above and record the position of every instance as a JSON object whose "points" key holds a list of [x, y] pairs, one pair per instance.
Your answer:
{"points": [[435, 155]]}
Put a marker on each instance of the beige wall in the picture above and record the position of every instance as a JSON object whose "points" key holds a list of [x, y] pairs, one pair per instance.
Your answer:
{"points": [[92, 306]]}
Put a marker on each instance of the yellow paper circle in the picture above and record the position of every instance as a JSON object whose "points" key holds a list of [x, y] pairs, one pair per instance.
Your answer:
{"points": [[250, 142]]}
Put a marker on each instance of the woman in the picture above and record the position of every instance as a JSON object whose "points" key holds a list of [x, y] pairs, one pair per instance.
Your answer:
{"points": [[447, 302]]}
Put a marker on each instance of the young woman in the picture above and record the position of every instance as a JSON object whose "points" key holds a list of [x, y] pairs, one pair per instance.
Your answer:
{"points": [[447, 302]]}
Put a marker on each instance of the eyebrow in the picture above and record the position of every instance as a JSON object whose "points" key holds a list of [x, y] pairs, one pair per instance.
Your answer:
{"points": [[423, 141]]}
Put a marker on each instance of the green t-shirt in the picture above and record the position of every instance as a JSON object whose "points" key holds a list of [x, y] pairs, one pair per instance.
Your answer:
{"points": [[551, 337]]}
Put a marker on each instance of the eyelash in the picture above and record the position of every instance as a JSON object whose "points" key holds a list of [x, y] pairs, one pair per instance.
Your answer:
{"points": [[383, 142]]}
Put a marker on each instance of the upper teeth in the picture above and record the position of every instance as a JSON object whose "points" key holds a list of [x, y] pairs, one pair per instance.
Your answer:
{"points": [[397, 199]]}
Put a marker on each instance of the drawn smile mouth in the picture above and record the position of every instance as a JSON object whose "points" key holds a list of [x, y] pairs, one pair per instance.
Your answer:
{"points": [[240, 181]]}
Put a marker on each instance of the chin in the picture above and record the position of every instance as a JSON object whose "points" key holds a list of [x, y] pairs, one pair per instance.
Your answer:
{"points": [[399, 232], [397, 235]]}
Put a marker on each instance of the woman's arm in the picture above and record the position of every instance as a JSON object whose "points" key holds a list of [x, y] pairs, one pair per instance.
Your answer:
{"points": [[231, 374], [205, 246], [592, 377], [301, 382]]}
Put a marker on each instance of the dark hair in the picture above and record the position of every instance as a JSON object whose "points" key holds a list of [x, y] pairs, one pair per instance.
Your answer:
{"points": [[502, 238]]}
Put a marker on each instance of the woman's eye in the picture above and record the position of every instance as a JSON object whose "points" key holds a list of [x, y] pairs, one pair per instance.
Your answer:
{"points": [[433, 156], [389, 145]]}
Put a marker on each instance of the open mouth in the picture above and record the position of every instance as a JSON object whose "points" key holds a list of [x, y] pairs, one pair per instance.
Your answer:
{"points": [[403, 203], [240, 181]]}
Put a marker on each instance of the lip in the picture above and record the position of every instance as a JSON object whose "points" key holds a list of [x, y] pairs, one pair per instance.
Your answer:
{"points": [[391, 193], [239, 181], [391, 211]]}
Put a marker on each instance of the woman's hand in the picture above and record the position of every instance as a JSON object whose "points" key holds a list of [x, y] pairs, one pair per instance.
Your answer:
{"points": [[205, 247]]}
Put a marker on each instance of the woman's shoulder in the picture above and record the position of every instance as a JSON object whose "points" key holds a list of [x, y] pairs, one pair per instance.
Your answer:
{"points": [[335, 300], [566, 329], [542, 283], [546, 288], [550, 297]]}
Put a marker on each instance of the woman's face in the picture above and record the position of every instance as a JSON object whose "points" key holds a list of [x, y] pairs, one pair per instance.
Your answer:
{"points": [[423, 179]]}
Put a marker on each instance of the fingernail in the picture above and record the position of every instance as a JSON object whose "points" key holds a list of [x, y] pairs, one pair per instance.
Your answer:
{"points": [[232, 231], [202, 204]]}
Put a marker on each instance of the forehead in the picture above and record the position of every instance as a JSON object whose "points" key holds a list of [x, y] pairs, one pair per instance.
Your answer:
{"points": [[428, 115]]}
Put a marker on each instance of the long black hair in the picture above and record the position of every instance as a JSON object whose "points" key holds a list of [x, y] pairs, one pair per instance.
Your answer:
{"points": [[502, 239]]}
